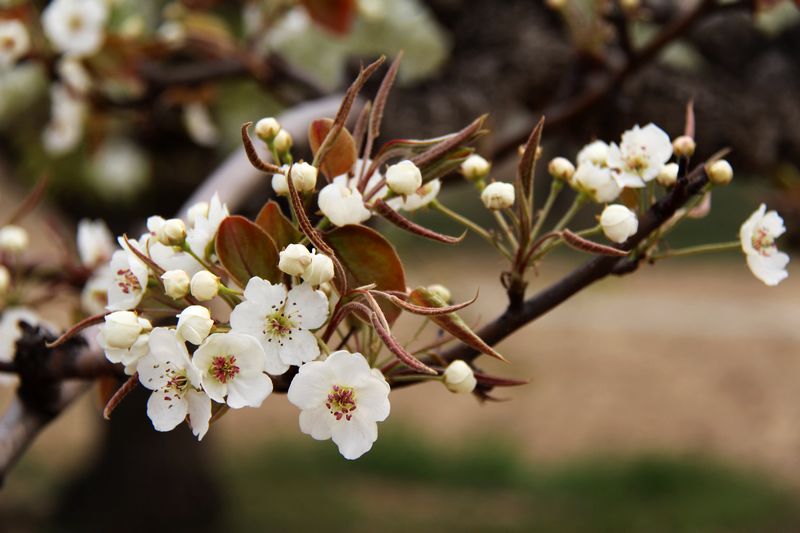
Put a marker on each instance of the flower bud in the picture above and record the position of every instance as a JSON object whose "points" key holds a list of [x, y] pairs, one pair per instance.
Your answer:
{"points": [[194, 324], [304, 177], [204, 285], [280, 185], [475, 168], [459, 377], [498, 195], [683, 146], [294, 259], [5, 280], [267, 129], [668, 175], [172, 232], [283, 141], [719, 173], [319, 271], [618, 223], [404, 178], [176, 283], [198, 210], [13, 239], [121, 329], [561, 169], [441, 291]]}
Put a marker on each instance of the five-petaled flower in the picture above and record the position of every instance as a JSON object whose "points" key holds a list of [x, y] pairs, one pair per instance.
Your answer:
{"points": [[343, 399], [757, 236], [640, 156], [281, 322]]}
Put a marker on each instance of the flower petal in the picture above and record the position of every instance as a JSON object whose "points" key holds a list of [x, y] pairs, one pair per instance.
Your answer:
{"points": [[307, 307], [355, 436], [166, 410], [199, 408], [317, 423], [248, 390], [300, 347]]}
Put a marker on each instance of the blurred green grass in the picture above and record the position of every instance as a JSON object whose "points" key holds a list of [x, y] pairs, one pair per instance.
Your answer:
{"points": [[406, 484]]}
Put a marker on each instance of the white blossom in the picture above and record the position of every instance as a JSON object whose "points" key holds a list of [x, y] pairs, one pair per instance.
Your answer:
{"points": [[498, 195], [596, 181], [95, 242], [757, 236], [341, 204], [475, 167], [168, 371], [668, 175], [74, 75], [176, 283], [561, 168], [281, 322], [172, 232], [459, 377], [204, 229], [195, 211], [683, 146], [10, 333], [124, 339], [283, 141], [14, 42], [204, 286], [13, 239], [640, 156], [319, 271], [128, 281], [595, 152], [341, 398], [294, 259], [65, 129], [304, 177], [5, 280], [404, 177], [94, 296], [419, 199], [232, 365], [194, 324], [618, 223], [76, 27], [199, 124], [267, 128]]}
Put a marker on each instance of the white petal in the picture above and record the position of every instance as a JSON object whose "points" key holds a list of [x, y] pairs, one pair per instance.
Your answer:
{"points": [[166, 410], [264, 293], [311, 386], [248, 390], [373, 399], [355, 436], [347, 367], [215, 390], [300, 347], [770, 269], [199, 408], [273, 364], [316, 422], [307, 307], [248, 317]]}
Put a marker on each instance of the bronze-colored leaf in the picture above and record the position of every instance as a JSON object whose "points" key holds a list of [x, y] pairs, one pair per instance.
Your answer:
{"points": [[334, 15], [342, 155], [245, 250], [272, 220]]}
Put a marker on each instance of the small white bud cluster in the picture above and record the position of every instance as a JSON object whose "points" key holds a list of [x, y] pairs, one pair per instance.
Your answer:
{"points": [[498, 195], [172, 232], [304, 178], [314, 268]]}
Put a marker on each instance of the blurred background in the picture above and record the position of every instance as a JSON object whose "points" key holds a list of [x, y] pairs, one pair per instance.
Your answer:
{"points": [[662, 401]]}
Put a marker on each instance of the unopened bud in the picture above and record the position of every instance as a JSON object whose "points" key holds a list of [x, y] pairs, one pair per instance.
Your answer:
{"points": [[121, 329], [720, 172], [204, 285], [319, 271], [194, 324], [172, 232], [668, 175], [304, 177], [294, 259], [441, 291], [561, 169], [475, 168], [618, 223], [13, 239], [267, 129], [176, 283], [404, 178], [498, 195], [283, 141], [683, 146], [459, 378]]}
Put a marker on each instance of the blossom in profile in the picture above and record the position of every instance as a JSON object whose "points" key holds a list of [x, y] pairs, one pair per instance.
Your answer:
{"points": [[95, 242], [343, 399], [76, 27], [14, 42], [202, 232], [341, 204], [128, 281], [419, 199], [281, 321], [596, 181], [639, 157], [757, 236], [168, 371]]}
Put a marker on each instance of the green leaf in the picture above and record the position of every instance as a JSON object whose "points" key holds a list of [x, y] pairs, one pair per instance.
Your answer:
{"points": [[245, 250], [272, 220], [452, 323], [369, 258]]}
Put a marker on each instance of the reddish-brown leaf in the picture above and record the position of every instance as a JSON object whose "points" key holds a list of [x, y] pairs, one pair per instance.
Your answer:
{"points": [[342, 155], [334, 15], [277, 226], [245, 250]]}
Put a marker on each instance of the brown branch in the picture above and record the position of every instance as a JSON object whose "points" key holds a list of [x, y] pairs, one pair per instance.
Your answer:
{"points": [[580, 278]]}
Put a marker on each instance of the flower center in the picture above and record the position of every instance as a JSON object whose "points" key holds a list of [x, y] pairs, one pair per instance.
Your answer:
{"points": [[75, 23], [341, 402], [637, 160], [223, 368], [763, 241], [278, 326], [127, 281], [7, 44], [178, 382]]}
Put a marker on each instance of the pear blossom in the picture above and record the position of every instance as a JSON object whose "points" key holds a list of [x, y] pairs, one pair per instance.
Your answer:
{"points": [[128, 281], [596, 181], [404, 177], [202, 233], [267, 128], [125, 339], [119, 168], [232, 365], [319, 271], [74, 74], [459, 377], [168, 371], [283, 141], [341, 204], [13, 239], [498, 195], [757, 236], [668, 175], [595, 152], [475, 167], [176, 283], [195, 211], [14, 42], [65, 129], [172, 232], [199, 124], [683, 146], [281, 322], [94, 296], [204, 286], [5, 280], [194, 324], [166, 256], [343, 399], [304, 177], [10, 333], [294, 259], [618, 223], [75, 27], [640, 156], [419, 199], [720, 172], [561, 168], [95, 242]]}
